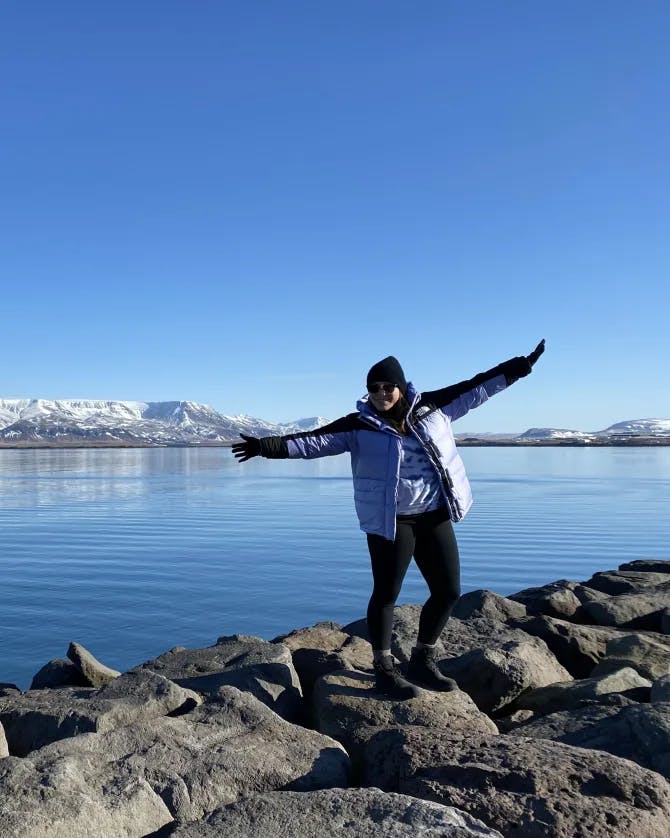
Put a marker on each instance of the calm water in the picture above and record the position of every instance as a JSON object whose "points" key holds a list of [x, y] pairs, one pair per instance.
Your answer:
{"points": [[131, 552]]}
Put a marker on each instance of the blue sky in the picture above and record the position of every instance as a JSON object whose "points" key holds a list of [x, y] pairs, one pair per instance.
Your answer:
{"points": [[249, 203]]}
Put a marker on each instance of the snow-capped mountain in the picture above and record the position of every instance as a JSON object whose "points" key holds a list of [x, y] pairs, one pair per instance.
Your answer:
{"points": [[637, 427], [98, 422], [70, 421]]}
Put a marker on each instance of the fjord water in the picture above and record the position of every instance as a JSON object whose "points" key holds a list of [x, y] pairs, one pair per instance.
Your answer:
{"points": [[133, 551]]}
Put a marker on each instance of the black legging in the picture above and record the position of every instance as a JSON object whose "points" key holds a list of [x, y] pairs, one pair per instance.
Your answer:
{"points": [[430, 538]]}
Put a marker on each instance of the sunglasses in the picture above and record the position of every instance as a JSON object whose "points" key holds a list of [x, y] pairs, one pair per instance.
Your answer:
{"points": [[377, 388]]}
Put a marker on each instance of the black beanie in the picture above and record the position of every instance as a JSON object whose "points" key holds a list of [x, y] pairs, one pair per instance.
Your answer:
{"points": [[388, 369]]}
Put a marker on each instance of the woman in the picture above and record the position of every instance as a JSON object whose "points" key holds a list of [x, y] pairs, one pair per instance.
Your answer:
{"points": [[409, 486]]}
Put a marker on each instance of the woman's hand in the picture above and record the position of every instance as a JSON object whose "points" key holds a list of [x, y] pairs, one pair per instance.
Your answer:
{"points": [[243, 451]]}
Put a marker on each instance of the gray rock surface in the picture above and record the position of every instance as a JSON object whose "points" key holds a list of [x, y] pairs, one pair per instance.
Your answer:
{"points": [[643, 610], [525, 787], [613, 582], [487, 604], [495, 677], [660, 689], [323, 648], [557, 599], [38, 717], [572, 694], [95, 672], [650, 656], [193, 764], [346, 701], [640, 732], [651, 565], [337, 813], [576, 647], [59, 673], [249, 663], [68, 799]]}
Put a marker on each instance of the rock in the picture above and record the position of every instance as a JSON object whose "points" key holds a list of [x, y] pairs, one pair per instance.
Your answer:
{"points": [[249, 663], [346, 701], [4, 749], [665, 621], [576, 647], [641, 610], [488, 604], [557, 599], [525, 787], [651, 565], [649, 656], [336, 813], [8, 689], [223, 750], [660, 689], [613, 582], [66, 799], [640, 732], [96, 673], [458, 637], [495, 677], [58, 673], [572, 694], [325, 648], [38, 717]]}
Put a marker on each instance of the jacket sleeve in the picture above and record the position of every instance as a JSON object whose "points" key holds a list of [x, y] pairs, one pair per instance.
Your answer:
{"points": [[459, 399], [331, 439]]}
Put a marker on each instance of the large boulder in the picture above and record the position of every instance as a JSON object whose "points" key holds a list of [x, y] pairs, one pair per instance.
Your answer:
{"points": [[641, 610], [571, 694], [522, 786], [97, 674], [346, 701], [67, 799], [227, 749], [323, 648], [650, 656], [557, 599], [613, 582], [484, 603], [37, 717], [336, 813], [651, 565], [249, 663], [640, 732], [576, 647], [495, 677], [59, 673]]}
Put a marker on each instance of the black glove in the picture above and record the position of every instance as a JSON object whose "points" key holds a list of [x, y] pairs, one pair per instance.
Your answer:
{"points": [[243, 451], [535, 354], [522, 365]]}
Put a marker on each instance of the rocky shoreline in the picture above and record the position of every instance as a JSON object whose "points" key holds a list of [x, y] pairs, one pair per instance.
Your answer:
{"points": [[560, 727]]}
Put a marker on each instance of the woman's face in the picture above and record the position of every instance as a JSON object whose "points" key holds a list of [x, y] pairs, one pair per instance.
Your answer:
{"points": [[383, 395]]}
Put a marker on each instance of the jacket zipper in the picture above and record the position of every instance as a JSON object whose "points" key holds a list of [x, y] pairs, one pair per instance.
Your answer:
{"points": [[443, 473]]}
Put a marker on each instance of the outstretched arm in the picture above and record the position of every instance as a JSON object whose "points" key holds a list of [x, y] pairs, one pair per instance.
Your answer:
{"points": [[460, 398], [331, 439]]}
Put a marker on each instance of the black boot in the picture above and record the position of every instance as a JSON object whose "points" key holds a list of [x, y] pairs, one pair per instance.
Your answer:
{"points": [[424, 671], [388, 680]]}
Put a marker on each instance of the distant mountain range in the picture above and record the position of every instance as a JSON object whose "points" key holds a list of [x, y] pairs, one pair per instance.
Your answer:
{"points": [[69, 422]]}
